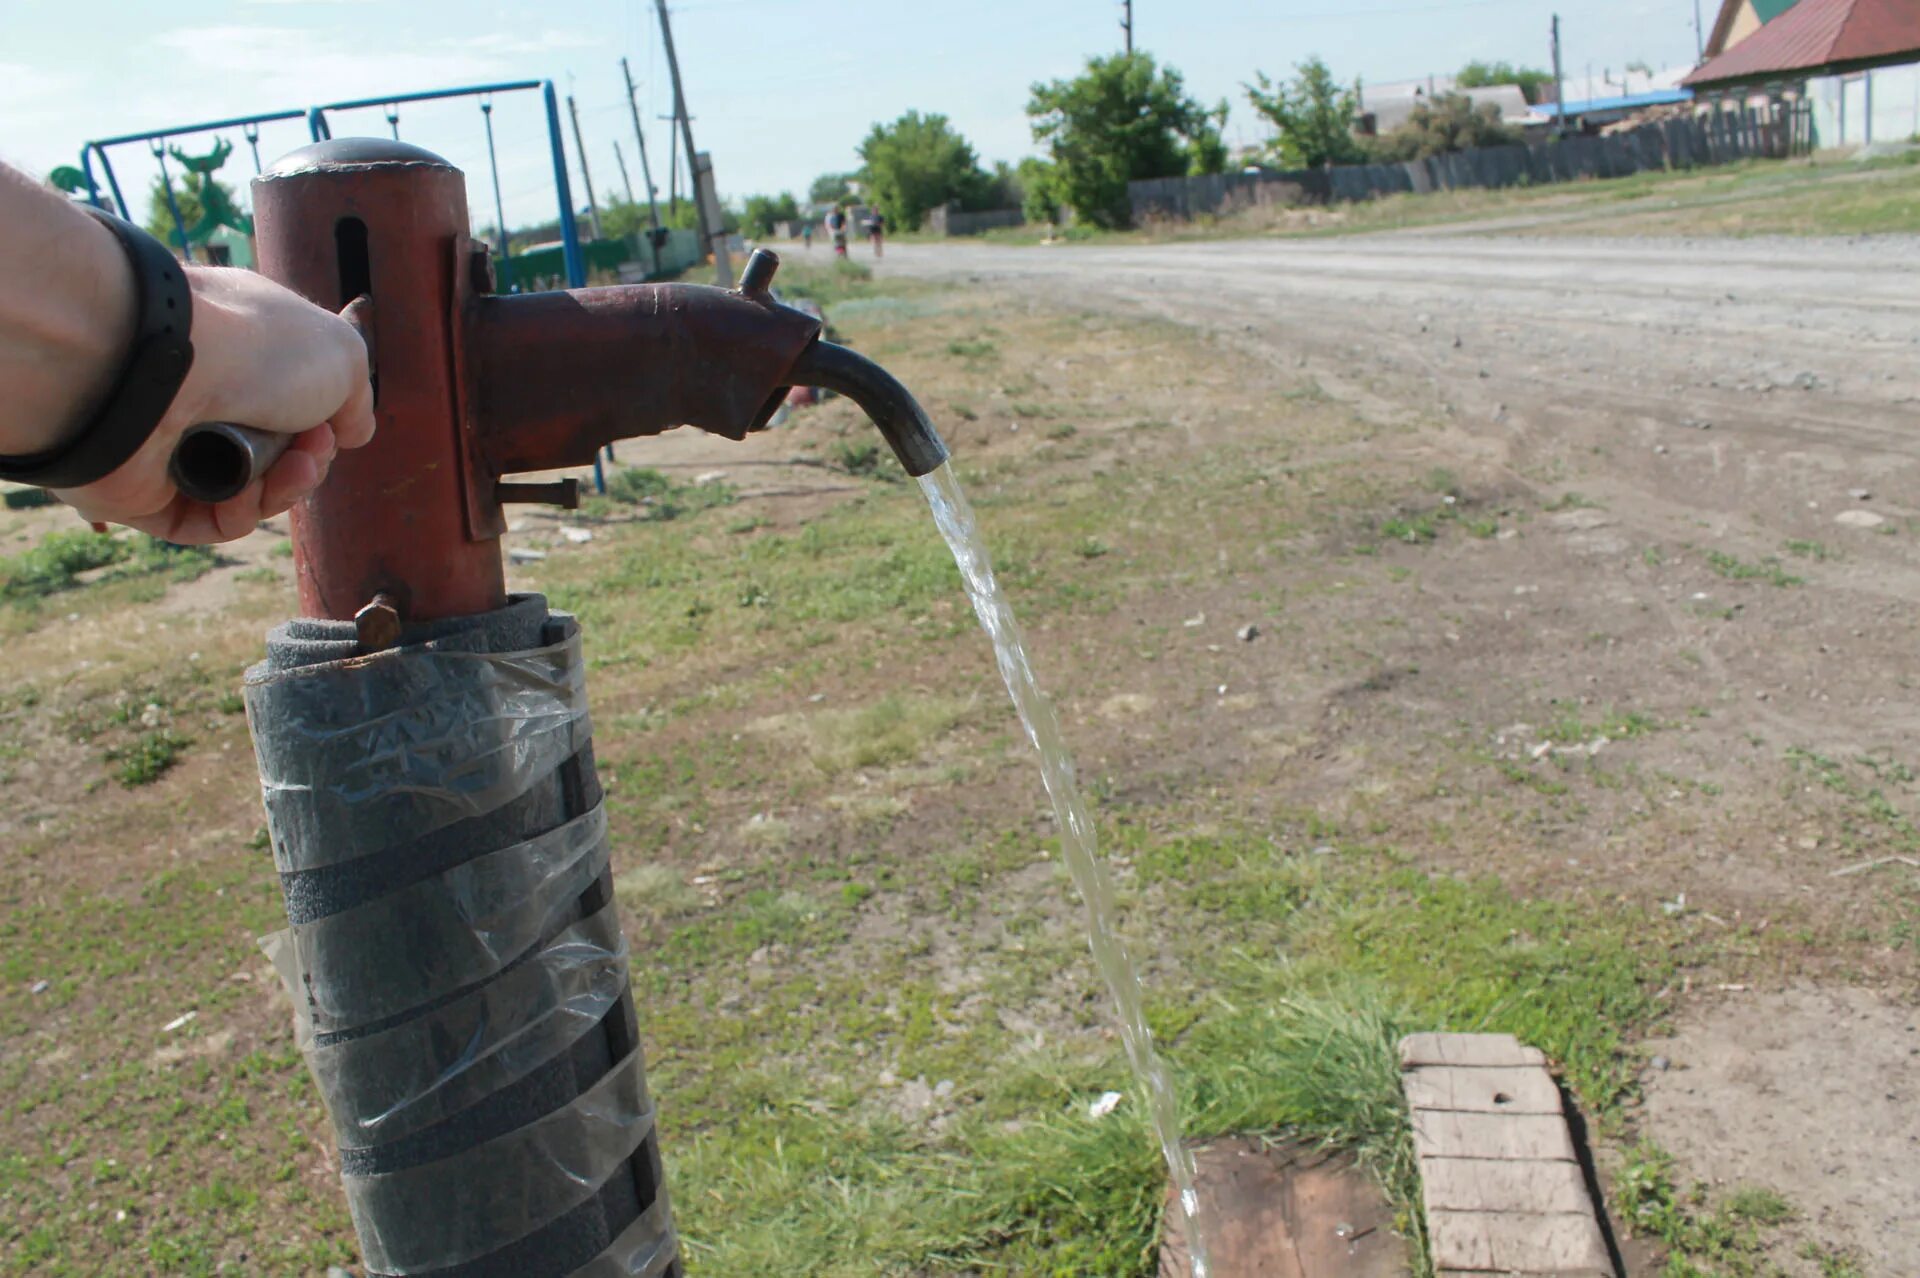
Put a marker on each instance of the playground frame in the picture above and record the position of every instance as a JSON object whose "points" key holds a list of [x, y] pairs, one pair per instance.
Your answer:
{"points": [[320, 129]]}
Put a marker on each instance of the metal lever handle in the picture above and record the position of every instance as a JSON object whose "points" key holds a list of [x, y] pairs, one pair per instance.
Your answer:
{"points": [[215, 461]]}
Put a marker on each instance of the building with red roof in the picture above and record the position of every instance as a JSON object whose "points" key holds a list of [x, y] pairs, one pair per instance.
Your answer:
{"points": [[1855, 63]]}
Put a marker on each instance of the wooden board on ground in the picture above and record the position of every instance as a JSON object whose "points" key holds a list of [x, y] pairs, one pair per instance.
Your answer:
{"points": [[1279, 1210], [1503, 1188]]}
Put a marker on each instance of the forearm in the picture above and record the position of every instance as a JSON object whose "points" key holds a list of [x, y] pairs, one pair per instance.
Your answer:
{"points": [[66, 315]]}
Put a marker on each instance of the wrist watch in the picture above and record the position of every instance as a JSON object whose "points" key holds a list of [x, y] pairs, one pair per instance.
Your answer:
{"points": [[147, 381]]}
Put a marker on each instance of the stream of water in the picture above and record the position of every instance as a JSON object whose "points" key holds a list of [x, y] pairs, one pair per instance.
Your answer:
{"points": [[956, 522]]}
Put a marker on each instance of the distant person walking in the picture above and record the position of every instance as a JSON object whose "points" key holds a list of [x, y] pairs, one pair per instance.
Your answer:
{"points": [[837, 228], [876, 230], [806, 232]]}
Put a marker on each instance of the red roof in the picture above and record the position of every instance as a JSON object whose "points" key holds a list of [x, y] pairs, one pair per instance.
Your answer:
{"points": [[1818, 33]]}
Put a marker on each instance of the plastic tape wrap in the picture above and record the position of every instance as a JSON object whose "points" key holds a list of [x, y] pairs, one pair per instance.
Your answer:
{"points": [[644, 1249], [381, 1087], [364, 754], [458, 1209], [455, 929]]}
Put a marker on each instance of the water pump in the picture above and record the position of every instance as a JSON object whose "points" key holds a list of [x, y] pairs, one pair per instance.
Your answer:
{"points": [[458, 971]]}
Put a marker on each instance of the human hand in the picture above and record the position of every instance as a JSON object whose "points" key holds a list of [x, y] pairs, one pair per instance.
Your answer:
{"points": [[263, 357]]}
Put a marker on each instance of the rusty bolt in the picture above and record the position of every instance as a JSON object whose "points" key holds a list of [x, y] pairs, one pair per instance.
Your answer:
{"points": [[377, 624], [757, 275]]}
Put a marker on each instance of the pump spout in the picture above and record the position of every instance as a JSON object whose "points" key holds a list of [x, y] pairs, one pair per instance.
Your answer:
{"points": [[881, 397], [551, 377]]}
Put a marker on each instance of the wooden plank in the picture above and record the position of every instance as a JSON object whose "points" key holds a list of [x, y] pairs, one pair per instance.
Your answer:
{"points": [[1515, 1090], [1489, 1050], [1487, 1184], [1566, 1246], [1438, 1134], [1285, 1211]]}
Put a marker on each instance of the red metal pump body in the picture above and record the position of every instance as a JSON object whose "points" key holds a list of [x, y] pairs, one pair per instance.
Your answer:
{"points": [[470, 386]]}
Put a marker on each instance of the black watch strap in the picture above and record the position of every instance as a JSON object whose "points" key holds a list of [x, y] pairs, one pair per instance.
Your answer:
{"points": [[156, 365]]}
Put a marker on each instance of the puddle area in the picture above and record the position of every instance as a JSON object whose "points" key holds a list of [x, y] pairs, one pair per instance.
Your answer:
{"points": [[1077, 842]]}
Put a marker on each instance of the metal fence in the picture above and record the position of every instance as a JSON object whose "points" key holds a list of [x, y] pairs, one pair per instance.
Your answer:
{"points": [[1682, 142]]}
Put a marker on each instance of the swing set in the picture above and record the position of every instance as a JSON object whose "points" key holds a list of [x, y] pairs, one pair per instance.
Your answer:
{"points": [[320, 128]]}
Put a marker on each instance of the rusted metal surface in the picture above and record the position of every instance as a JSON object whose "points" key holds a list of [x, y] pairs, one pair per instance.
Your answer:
{"points": [[474, 386], [554, 376], [1818, 33], [392, 516]]}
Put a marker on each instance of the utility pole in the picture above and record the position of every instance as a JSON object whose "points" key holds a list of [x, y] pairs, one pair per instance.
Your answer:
{"points": [[625, 181], [1126, 24], [586, 178], [673, 166], [1699, 35], [1559, 84], [686, 125], [646, 173]]}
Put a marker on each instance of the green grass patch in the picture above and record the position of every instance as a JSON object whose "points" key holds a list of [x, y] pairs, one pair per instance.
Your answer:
{"points": [[148, 756], [1768, 570], [1289, 987], [659, 496], [62, 557], [1705, 1239]]}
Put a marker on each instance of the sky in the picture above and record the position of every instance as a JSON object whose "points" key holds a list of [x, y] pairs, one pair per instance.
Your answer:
{"points": [[779, 90]]}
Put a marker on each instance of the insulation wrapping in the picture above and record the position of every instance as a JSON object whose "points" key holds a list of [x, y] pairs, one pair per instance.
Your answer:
{"points": [[453, 954]]}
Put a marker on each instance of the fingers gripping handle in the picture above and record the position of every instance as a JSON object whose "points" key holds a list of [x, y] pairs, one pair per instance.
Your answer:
{"points": [[215, 461]]}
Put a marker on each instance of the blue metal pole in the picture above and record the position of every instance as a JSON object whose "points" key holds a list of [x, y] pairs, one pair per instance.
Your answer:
{"points": [[93, 187], [211, 126], [317, 124], [429, 95], [569, 231], [173, 206]]}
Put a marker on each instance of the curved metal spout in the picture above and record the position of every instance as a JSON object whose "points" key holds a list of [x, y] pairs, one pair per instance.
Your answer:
{"points": [[881, 396]]}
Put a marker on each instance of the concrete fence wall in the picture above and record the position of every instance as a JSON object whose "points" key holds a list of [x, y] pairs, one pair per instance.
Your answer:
{"points": [[1677, 143], [949, 220]]}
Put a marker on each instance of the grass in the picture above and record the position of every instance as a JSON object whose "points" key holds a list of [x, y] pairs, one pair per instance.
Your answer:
{"points": [[1750, 197], [832, 868], [658, 496], [1769, 570], [148, 756], [1727, 1239], [1306, 1046]]}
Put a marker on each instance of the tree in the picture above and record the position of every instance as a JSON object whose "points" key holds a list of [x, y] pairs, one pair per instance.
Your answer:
{"points": [[919, 163], [1312, 117], [1484, 75], [758, 213], [1123, 120], [1039, 185], [1452, 123], [186, 194], [829, 187]]}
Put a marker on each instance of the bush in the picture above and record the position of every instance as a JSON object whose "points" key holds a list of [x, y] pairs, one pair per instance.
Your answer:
{"points": [[1451, 123]]}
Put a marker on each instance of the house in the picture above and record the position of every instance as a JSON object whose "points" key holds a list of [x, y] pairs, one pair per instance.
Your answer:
{"points": [[1854, 63], [1385, 107], [1739, 19]]}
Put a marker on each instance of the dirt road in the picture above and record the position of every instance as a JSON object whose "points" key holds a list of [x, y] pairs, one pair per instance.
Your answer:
{"points": [[1722, 436]]}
